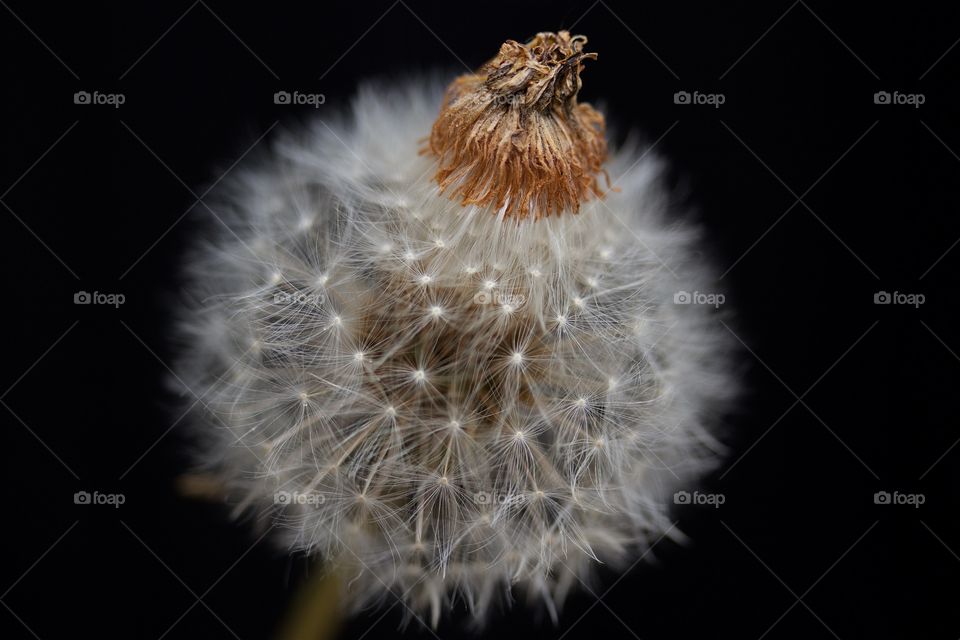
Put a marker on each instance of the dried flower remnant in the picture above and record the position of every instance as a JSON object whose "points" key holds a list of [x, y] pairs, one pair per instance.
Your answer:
{"points": [[513, 136]]}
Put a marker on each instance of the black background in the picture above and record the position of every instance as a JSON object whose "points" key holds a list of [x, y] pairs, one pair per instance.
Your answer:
{"points": [[94, 197]]}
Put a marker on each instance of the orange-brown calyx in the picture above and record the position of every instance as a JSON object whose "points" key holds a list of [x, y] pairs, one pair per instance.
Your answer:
{"points": [[512, 135]]}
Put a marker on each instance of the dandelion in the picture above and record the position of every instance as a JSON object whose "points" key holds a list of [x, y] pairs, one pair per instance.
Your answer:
{"points": [[456, 336]]}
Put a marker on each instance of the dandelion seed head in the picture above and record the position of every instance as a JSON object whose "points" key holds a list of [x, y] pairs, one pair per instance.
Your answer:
{"points": [[553, 377]]}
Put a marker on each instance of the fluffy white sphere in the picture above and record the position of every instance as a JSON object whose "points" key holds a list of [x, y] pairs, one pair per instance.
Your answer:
{"points": [[451, 404]]}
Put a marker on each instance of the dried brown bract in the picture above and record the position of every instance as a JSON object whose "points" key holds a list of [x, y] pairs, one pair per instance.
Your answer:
{"points": [[512, 136]]}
